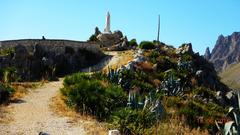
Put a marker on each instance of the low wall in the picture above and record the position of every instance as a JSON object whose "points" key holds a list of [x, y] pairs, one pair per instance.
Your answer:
{"points": [[35, 59], [52, 44]]}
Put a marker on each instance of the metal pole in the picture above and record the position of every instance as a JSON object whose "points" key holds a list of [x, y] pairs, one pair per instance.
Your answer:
{"points": [[158, 35]]}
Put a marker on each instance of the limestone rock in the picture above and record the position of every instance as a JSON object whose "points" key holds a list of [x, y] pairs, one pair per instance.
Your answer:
{"points": [[185, 48], [107, 39], [113, 132]]}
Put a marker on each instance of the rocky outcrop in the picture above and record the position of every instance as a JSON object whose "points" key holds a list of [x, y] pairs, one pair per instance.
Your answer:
{"points": [[110, 39], [226, 51], [185, 48], [35, 59], [207, 54]]}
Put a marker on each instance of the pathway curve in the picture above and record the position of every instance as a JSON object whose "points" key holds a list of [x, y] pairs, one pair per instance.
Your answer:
{"points": [[33, 115]]}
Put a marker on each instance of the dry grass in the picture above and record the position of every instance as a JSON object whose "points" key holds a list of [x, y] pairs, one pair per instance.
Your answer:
{"points": [[22, 89], [119, 59], [176, 127], [231, 76], [146, 66], [91, 126]]}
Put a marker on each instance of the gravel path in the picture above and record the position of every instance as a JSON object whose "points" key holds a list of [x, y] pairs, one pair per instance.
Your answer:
{"points": [[33, 115]]}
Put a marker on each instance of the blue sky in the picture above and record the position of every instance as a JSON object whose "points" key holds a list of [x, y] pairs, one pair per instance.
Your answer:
{"points": [[197, 21]]}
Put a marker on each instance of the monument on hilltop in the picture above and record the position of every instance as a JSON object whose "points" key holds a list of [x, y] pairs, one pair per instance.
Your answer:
{"points": [[111, 40], [107, 28]]}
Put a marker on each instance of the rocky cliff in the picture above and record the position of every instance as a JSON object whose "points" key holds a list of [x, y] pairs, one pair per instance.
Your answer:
{"points": [[35, 59], [225, 52]]}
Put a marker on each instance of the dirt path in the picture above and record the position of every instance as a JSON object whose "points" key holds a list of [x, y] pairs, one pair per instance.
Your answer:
{"points": [[33, 115]]}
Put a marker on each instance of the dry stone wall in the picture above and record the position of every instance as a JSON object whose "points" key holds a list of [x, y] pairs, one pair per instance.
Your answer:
{"points": [[35, 59]]}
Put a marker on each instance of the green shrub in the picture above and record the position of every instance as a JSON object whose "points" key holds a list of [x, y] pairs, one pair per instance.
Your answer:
{"points": [[93, 38], [10, 75], [93, 96], [133, 42], [133, 122], [210, 112], [5, 92], [146, 45], [6, 51]]}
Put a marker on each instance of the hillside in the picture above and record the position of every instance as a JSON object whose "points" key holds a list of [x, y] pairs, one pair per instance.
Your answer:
{"points": [[161, 83], [231, 76], [225, 52]]}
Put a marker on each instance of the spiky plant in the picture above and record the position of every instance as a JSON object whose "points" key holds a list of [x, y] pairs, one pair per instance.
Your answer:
{"points": [[232, 127], [172, 86]]}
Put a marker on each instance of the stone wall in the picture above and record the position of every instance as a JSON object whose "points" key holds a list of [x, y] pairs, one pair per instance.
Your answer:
{"points": [[35, 59], [52, 44]]}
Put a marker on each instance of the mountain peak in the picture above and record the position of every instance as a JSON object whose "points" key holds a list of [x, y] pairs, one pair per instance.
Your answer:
{"points": [[207, 54], [225, 52]]}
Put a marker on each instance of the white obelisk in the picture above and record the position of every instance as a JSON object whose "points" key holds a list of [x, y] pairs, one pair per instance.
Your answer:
{"points": [[107, 28]]}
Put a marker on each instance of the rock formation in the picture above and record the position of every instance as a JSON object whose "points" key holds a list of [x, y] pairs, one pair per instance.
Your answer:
{"points": [[110, 39], [207, 54], [107, 39], [226, 51], [185, 48]]}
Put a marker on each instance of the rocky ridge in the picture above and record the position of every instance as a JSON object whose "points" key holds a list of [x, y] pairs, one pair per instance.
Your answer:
{"points": [[225, 52]]}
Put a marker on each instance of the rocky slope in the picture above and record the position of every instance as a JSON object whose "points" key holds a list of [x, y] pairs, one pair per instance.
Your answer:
{"points": [[231, 76], [225, 52]]}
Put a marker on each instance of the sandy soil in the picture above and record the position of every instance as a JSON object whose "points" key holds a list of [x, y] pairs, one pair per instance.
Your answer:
{"points": [[32, 115]]}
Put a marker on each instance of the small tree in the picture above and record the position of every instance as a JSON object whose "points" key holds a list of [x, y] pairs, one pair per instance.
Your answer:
{"points": [[133, 42], [146, 45]]}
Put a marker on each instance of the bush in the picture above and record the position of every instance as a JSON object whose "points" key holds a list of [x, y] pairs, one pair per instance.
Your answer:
{"points": [[5, 92], [146, 45], [89, 94], [93, 38], [133, 42], [6, 51], [132, 122], [9, 74]]}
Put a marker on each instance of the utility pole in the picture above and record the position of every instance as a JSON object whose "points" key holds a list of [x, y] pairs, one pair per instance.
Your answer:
{"points": [[158, 34]]}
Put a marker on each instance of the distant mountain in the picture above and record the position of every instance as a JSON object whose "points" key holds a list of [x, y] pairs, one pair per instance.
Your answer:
{"points": [[231, 76], [226, 51]]}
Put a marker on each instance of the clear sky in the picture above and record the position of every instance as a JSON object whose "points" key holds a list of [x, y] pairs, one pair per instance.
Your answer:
{"points": [[197, 21]]}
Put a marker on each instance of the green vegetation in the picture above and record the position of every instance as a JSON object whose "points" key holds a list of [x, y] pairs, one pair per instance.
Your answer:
{"points": [[130, 121], [9, 75], [147, 45], [90, 94], [93, 38], [5, 92], [7, 51], [133, 42], [164, 86]]}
